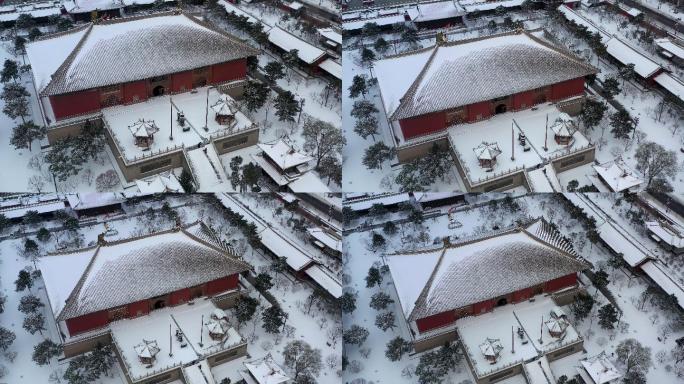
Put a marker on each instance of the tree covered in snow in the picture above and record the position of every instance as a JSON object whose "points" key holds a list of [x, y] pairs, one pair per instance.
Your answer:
{"points": [[358, 87], [322, 139], [634, 377], [367, 56], [377, 241], [373, 277], [381, 45], [370, 29], [348, 302], [263, 282], [331, 169], [600, 279], [10, 71], [410, 36], [355, 335], [621, 124], [244, 309], [366, 126], [611, 86], [25, 133], [678, 350], [34, 322], [255, 95], [436, 364], [634, 356], [397, 347], [66, 156], [380, 300], [107, 180], [627, 73], [101, 360], [34, 33], [581, 307], [608, 316], [655, 162], [363, 108], [273, 318], [6, 338], [15, 97], [46, 350], [29, 304], [186, 181], [3, 300], [376, 155], [421, 172], [78, 371], [24, 281], [385, 321], [274, 71], [286, 106], [291, 58], [304, 361], [592, 113]]}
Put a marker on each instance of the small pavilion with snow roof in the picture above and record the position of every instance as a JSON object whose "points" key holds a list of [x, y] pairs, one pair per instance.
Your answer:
{"points": [[143, 132], [486, 154], [224, 110], [564, 129]]}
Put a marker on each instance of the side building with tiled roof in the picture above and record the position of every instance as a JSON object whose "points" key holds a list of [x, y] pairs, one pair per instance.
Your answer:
{"points": [[92, 287], [439, 285]]}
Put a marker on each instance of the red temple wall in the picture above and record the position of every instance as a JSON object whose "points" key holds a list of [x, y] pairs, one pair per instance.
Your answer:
{"points": [[232, 70], [435, 321], [561, 282], [422, 125], [523, 100], [221, 285], [73, 104], [87, 322], [567, 89], [135, 91], [181, 81], [181, 296], [479, 111], [139, 308]]}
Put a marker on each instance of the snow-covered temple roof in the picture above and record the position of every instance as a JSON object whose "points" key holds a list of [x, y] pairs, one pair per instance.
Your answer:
{"points": [[143, 128], [491, 347], [147, 349], [283, 154], [286, 41], [454, 275], [116, 273], [122, 50], [161, 183], [266, 371], [432, 79], [564, 126]]}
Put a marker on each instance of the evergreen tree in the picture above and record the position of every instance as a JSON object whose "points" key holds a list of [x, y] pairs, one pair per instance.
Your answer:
{"points": [[355, 335], [331, 168], [396, 348], [25, 133], [367, 126], [34, 322], [16, 106], [255, 95], [286, 106], [348, 302], [380, 300], [377, 241], [304, 361], [186, 181], [64, 24], [622, 124], [46, 350], [7, 337], [77, 372], [376, 155], [380, 45], [385, 321], [426, 369], [358, 87], [245, 307], [279, 265], [410, 36], [370, 29], [34, 33], [24, 281], [373, 278], [611, 87], [367, 56], [10, 71], [627, 73], [582, 306], [29, 304], [389, 228], [592, 113], [3, 300], [654, 162], [263, 282], [101, 360], [608, 316], [4, 222], [634, 377], [30, 247], [19, 44], [24, 21], [273, 319], [273, 71], [363, 108], [322, 139]]}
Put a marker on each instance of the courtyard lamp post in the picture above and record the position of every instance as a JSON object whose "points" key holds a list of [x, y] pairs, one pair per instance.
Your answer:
{"points": [[206, 112]]}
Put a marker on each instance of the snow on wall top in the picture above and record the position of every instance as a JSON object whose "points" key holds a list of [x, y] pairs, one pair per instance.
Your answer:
{"points": [[439, 279], [454, 74], [284, 155], [287, 41], [267, 371], [78, 201], [330, 34], [123, 50], [131, 270], [617, 176], [670, 46]]}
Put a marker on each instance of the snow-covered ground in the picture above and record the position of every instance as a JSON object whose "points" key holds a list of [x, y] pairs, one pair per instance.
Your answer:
{"points": [[320, 328], [647, 324]]}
